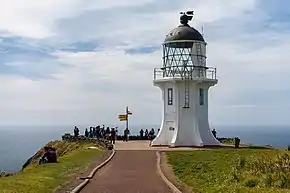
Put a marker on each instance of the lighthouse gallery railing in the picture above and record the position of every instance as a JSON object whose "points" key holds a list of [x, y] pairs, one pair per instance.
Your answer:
{"points": [[192, 73]]}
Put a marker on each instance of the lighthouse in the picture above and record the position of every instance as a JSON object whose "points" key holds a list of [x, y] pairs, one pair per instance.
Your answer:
{"points": [[184, 80]]}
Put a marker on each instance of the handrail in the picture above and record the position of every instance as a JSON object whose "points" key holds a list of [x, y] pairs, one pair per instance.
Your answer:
{"points": [[190, 73]]}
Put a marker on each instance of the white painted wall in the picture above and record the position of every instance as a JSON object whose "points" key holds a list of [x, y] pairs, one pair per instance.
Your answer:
{"points": [[191, 126], [169, 114]]}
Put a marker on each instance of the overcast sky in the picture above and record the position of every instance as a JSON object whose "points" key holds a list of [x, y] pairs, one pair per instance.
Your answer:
{"points": [[83, 61]]}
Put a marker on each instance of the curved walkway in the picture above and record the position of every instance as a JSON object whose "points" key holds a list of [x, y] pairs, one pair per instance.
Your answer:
{"points": [[130, 171]]}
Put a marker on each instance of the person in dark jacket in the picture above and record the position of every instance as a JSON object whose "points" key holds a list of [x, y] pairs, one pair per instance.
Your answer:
{"points": [[86, 133], [214, 133], [141, 133], [49, 156], [113, 136]]}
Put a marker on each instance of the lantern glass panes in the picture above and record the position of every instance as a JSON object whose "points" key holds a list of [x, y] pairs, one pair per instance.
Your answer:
{"points": [[177, 60]]}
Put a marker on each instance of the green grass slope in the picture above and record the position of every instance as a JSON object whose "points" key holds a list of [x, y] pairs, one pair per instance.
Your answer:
{"points": [[72, 157], [233, 170]]}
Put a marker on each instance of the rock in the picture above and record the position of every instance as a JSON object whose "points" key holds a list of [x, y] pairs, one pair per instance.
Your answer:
{"points": [[5, 174], [27, 163]]}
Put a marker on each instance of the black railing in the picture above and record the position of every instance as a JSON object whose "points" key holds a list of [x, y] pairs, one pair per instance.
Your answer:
{"points": [[192, 72]]}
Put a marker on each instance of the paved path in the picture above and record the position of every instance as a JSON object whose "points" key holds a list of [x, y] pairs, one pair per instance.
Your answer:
{"points": [[145, 145], [130, 171]]}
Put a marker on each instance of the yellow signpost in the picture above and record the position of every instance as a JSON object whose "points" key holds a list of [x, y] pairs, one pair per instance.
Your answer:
{"points": [[125, 117]]}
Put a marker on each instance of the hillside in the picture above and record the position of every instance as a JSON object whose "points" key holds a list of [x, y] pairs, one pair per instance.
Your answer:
{"points": [[72, 158], [62, 147]]}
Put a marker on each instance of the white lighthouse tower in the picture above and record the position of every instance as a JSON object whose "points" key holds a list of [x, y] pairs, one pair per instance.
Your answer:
{"points": [[184, 80]]}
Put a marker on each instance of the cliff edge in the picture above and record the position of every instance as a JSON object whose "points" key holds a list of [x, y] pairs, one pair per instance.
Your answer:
{"points": [[62, 148]]}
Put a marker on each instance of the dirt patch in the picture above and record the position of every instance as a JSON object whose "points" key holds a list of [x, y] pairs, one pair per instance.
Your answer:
{"points": [[168, 172], [74, 179]]}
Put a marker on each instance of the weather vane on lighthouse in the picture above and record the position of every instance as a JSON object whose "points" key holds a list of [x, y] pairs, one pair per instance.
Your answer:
{"points": [[184, 80], [185, 17]]}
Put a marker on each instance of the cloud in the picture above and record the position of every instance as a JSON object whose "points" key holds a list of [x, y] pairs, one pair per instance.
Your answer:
{"points": [[35, 19], [142, 49], [82, 62]]}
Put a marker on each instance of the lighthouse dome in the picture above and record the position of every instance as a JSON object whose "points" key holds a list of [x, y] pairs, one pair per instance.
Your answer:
{"points": [[182, 33]]}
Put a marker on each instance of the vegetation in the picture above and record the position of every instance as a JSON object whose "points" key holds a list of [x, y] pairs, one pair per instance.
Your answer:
{"points": [[73, 157], [230, 141], [233, 170]]}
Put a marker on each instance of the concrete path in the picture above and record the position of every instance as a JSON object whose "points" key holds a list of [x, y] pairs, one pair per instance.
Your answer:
{"points": [[133, 169], [145, 145], [130, 171], [133, 145]]}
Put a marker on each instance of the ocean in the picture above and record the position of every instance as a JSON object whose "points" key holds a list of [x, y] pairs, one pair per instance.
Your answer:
{"points": [[18, 143]]}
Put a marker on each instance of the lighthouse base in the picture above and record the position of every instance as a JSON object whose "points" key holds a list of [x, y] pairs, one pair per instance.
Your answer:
{"points": [[185, 113], [181, 139], [187, 130]]}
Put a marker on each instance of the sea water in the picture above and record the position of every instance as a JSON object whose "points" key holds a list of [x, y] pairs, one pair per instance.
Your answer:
{"points": [[18, 143]]}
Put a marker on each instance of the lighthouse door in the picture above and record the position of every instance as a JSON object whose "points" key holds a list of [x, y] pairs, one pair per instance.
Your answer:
{"points": [[170, 131]]}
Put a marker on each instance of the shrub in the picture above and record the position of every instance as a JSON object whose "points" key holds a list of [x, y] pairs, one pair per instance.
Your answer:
{"points": [[251, 182], [241, 162], [237, 172], [274, 171]]}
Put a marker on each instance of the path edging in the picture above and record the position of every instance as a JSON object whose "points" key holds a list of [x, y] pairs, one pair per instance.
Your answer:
{"points": [[91, 175], [173, 188]]}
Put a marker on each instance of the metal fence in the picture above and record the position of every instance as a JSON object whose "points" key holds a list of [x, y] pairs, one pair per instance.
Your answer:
{"points": [[188, 73]]}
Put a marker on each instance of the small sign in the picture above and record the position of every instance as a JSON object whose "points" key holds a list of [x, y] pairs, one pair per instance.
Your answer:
{"points": [[122, 116], [123, 119]]}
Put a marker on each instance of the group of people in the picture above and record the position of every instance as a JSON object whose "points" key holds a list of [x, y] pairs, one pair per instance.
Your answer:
{"points": [[102, 133], [107, 133], [147, 135]]}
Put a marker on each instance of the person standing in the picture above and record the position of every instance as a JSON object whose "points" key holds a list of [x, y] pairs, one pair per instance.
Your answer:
{"points": [[86, 132], [126, 134], [151, 134], [76, 131], [113, 136], [141, 133], [107, 133], [146, 134], [91, 132], [214, 133]]}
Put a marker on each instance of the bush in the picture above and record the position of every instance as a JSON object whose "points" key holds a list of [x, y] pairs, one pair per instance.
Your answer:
{"points": [[272, 171], [238, 169], [225, 140], [251, 182]]}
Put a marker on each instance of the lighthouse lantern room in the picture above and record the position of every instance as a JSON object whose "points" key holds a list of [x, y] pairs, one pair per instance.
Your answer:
{"points": [[184, 80]]}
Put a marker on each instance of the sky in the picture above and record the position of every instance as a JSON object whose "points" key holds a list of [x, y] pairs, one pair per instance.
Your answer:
{"points": [[82, 61]]}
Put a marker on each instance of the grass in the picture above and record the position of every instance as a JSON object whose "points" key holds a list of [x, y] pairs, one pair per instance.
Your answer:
{"points": [[232, 170], [47, 177]]}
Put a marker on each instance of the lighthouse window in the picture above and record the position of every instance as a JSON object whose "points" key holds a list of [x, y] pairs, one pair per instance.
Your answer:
{"points": [[201, 96], [170, 94]]}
